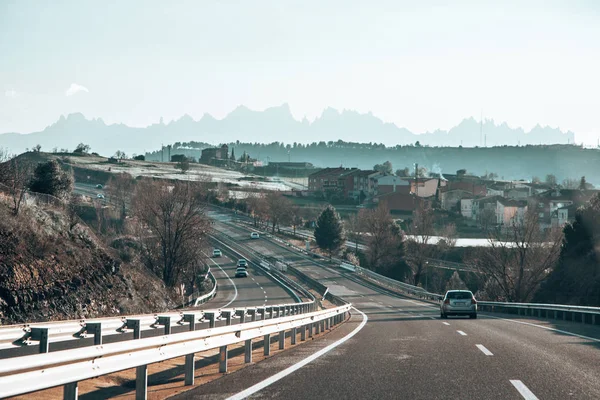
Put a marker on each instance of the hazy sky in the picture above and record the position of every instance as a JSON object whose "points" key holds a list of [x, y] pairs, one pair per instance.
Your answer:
{"points": [[423, 65]]}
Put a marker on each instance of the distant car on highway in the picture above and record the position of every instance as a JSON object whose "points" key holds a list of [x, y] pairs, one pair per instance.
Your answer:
{"points": [[99, 186], [217, 253], [242, 263], [458, 302], [241, 272], [100, 196], [254, 235]]}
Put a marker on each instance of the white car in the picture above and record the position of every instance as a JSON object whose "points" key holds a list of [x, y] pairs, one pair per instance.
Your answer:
{"points": [[458, 302], [242, 263], [254, 235], [241, 272], [100, 196], [217, 253]]}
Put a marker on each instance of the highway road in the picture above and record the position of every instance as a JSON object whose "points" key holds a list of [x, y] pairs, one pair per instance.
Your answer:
{"points": [[255, 290], [404, 350]]}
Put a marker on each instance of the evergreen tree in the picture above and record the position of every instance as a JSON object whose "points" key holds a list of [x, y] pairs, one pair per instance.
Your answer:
{"points": [[582, 183], [49, 178], [329, 231], [232, 155]]}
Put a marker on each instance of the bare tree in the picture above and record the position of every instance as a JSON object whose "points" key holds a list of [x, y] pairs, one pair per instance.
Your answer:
{"points": [[352, 227], [183, 165], [174, 214], [418, 247], [518, 262], [487, 218], [120, 189], [72, 208], [16, 175], [384, 239], [296, 219], [258, 207], [570, 183], [279, 209]]}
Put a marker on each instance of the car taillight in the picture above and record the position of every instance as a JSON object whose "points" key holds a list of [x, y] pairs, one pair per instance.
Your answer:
{"points": [[473, 301], [447, 301]]}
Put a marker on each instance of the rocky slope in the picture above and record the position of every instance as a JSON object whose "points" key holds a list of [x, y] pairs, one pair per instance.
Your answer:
{"points": [[51, 272]]}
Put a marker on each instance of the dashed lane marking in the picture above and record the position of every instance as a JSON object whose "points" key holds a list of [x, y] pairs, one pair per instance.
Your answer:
{"points": [[484, 350], [523, 390], [546, 327], [461, 333], [445, 323]]}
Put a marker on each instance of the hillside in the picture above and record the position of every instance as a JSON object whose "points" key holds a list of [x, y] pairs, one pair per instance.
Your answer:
{"points": [[272, 124], [51, 272], [509, 162]]}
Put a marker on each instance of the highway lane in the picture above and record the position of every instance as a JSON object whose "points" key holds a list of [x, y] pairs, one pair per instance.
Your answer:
{"points": [[406, 351], [255, 290]]}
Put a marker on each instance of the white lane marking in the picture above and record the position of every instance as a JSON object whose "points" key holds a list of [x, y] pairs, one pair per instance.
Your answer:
{"points": [[282, 374], [264, 292], [261, 287], [484, 350], [445, 323], [235, 295], [547, 328], [461, 333], [523, 390]]}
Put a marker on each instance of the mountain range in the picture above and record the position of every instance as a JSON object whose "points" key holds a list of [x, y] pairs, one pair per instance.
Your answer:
{"points": [[272, 124]]}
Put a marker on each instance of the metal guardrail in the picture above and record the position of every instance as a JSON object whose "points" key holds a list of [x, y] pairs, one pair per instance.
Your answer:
{"points": [[203, 299], [585, 315], [66, 368]]}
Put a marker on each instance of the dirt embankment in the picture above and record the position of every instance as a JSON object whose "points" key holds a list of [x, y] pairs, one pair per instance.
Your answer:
{"points": [[49, 271]]}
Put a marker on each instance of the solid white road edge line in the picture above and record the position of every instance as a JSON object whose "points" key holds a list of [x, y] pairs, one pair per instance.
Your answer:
{"points": [[547, 328], [462, 333], [484, 350], [282, 374], [235, 295], [523, 390]]}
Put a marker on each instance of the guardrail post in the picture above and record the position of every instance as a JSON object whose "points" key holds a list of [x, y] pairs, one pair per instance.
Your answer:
{"points": [[136, 325], [242, 315], [322, 326], [262, 312], [248, 351], [166, 322], [190, 319], [593, 319], [70, 391], [41, 335], [211, 319], [227, 315], [270, 310], [252, 315], [316, 327], [564, 315], [95, 328], [189, 358], [223, 359], [539, 313], [281, 340], [141, 382], [293, 335], [555, 314], [303, 329], [310, 329], [267, 344]]}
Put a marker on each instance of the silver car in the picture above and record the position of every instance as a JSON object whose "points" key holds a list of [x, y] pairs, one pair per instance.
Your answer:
{"points": [[458, 302]]}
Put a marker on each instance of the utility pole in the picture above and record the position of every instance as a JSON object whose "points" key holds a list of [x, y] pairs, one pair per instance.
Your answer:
{"points": [[417, 179]]}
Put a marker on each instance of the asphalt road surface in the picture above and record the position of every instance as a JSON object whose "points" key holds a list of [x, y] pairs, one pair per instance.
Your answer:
{"points": [[406, 351]]}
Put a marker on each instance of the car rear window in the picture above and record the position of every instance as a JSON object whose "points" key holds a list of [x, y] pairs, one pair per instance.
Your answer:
{"points": [[459, 295]]}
